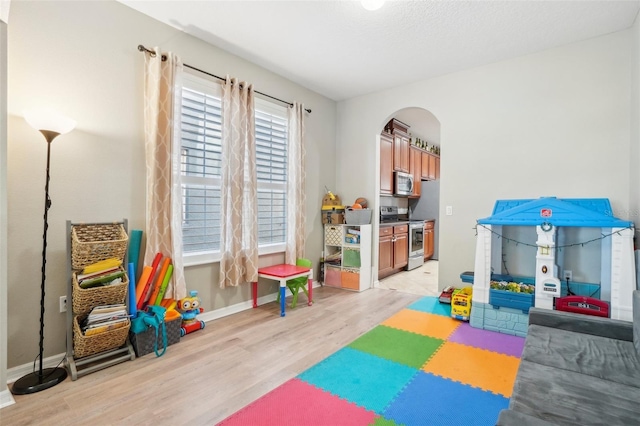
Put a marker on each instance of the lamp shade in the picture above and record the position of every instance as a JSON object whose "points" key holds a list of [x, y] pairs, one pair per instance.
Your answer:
{"points": [[45, 119]]}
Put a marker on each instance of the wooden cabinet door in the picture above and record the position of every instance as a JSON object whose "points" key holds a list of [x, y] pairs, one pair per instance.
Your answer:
{"points": [[429, 235], [432, 167], [400, 250], [400, 152], [386, 164], [437, 173], [385, 255], [415, 167], [425, 164]]}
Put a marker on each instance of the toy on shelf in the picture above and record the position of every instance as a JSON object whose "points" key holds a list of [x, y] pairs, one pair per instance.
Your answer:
{"points": [[445, 296], [461, 303], [189, 307]]}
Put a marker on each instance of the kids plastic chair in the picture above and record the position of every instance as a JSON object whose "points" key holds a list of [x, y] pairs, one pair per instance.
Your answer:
{"points": [[294, 285]]}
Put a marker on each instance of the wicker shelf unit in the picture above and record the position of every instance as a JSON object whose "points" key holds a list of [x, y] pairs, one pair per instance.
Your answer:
{"points": [[88, 243]]}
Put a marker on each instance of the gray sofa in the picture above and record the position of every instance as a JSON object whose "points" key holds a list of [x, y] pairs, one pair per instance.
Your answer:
{"points": [[577, 370]]}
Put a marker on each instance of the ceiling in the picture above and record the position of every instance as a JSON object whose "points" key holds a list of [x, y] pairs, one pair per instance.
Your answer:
{"points": [[341, 50]]}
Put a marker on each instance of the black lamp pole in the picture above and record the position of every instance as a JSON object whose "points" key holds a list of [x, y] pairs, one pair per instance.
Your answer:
{"points": [[42, 379]]}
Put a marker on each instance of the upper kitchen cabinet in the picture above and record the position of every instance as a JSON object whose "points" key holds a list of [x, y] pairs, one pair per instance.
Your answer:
{"points": [[400, 133], [415, 167], [386, 164], [430, 166]]}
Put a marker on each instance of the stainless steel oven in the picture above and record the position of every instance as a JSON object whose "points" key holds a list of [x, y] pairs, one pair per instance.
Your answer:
{"points": [[416, 245]]}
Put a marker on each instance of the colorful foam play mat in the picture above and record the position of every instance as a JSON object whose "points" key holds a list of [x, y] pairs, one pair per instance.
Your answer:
{"points": [[419, 367]]}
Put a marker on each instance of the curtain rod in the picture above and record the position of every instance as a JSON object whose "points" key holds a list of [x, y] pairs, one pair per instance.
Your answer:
{"points": [[141, 48]]}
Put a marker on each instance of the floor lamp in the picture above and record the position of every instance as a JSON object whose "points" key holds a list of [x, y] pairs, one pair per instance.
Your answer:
{"points": [[50, 125]]}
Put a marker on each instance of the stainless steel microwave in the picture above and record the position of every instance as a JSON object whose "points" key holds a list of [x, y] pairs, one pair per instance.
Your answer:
{"points": [[403, 184]]}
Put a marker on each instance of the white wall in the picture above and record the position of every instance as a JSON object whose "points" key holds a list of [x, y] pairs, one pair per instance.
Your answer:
{"points": [[82, 59], [5, 397], [554, 123], [634, 158]]}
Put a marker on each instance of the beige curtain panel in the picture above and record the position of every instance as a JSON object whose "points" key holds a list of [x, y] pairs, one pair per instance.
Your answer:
{"points": [[162, 150], [296, 185], [239, 238]]}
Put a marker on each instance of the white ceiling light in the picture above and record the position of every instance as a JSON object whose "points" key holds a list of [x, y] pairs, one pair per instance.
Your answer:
{"points": [[372, 4]]}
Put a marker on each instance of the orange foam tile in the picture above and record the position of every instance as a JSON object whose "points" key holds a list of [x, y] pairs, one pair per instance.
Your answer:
{"points": [[476, 367], [423, 323]]}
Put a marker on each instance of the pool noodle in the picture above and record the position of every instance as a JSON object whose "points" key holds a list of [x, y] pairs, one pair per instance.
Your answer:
{"points": [[147, 287], [165, 283], [157, 285], [133, 311], [146, 271], [134, 250]]}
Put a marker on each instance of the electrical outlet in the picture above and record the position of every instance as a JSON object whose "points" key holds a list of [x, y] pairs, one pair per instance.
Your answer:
{"points": [[449, 210], [568, 275], [63, 303]]}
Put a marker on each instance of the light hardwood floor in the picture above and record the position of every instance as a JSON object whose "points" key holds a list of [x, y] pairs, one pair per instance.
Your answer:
{"points": [[215, 371]]}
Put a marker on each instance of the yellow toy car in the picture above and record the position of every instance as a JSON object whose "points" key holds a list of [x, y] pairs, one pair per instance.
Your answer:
{"points": [[461, 303]]}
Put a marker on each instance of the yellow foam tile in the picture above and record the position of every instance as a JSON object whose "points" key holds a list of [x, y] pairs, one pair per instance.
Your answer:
{"points": [[423, 323], [476, 367]]}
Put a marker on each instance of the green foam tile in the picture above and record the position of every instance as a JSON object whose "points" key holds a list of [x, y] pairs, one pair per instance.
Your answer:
{"points": [[399, 346]]}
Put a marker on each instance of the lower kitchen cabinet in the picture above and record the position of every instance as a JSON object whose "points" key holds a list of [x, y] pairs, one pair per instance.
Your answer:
{"points": [[393, 250], [429, 234]]}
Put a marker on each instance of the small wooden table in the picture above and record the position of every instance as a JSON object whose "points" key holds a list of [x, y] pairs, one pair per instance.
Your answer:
{"points": [[282, 273]]}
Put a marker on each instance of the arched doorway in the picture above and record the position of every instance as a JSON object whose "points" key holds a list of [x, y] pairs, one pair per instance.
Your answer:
{"points": [[422, 207]]}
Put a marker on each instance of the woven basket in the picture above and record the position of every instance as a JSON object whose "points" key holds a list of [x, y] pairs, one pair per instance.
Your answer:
{"points": [[93, 243], [89, 345], [85, 299]]}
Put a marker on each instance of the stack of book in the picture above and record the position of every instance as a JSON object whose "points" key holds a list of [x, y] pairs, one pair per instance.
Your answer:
{"points": [[102, 273], [105, 318]]}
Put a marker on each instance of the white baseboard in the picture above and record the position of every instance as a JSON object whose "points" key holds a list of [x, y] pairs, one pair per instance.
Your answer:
{"points": [[15, 373], [6, 399]]}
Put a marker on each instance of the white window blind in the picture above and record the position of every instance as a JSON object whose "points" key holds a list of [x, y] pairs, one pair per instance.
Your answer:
{"points": [[201, 168]]}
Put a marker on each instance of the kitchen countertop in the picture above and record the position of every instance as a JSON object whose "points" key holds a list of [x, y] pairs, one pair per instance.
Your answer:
{"points": [[405, 222]]}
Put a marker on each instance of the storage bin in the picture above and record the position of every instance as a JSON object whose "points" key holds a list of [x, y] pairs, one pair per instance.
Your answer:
{"points": [[350, 279], [93, 243], [357, 217], [332, 276], [85, 299], [333, 235], [510, 299], [143, 342], [84, 346], [351, 258]]}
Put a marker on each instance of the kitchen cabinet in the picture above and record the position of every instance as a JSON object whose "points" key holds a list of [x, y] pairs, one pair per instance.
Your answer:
{"points": [[429, 234], [415, 163], [386, 164], [385, 251], [400, 246], [393, 251], [400, 133], [400, 151], [347, 250], [430, 166]]}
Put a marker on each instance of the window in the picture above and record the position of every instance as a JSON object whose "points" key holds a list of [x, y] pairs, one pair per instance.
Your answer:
{"points": [[201, 157]]}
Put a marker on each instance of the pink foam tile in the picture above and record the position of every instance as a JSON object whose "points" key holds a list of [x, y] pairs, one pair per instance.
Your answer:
{"points": [[298, 403]]}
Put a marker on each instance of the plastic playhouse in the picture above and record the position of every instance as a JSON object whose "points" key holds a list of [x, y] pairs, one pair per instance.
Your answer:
{"points": [[507, 310]]}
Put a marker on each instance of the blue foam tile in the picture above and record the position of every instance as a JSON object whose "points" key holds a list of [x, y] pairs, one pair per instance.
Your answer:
{"points": [[432, 400], [363, 379], [431, 305]]}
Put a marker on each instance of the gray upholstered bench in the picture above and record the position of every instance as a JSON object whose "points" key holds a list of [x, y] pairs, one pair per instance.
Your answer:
{"points": [[577, 370]]}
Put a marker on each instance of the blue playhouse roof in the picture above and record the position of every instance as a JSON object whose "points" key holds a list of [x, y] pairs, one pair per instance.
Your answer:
{"points": [[580, 212]]}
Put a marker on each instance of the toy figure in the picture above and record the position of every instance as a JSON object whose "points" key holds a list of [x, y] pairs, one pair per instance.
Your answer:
{"points": [[189, 307]]}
